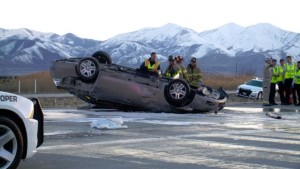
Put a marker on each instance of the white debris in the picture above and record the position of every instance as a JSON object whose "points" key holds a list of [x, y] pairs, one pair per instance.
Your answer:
{"points": [[109, 123]]}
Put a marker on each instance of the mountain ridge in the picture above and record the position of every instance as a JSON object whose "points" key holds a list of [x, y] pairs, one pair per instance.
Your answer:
{"points": [[231, 43]]}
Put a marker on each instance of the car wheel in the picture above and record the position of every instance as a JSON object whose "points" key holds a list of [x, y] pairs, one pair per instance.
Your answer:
{"points": [[102, 57], [11, 144], [88, 69], [259, 96], [177, 93]]}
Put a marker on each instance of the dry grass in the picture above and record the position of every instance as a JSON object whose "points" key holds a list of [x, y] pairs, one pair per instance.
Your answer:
{"points": [[43, 80], [46, 85], [228, 82]]}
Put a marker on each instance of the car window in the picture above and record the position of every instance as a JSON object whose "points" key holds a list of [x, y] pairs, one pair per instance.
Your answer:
{"points": [[254, 83]]}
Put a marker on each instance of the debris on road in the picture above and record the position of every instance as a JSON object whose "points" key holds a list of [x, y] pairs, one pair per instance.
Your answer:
{"points": [[109, 123], [273, 115]]}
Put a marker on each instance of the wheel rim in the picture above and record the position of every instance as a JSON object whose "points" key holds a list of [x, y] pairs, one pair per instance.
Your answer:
{"points": [[87, 68], [8, 146], [178, 91]]}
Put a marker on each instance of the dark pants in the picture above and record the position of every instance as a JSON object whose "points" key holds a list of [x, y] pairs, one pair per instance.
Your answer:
{"points": [[297, 89], [272, 93], [281, 91], [288, 89]]}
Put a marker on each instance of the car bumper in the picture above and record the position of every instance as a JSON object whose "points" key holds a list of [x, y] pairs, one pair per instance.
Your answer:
{"points": [[252, 95], [206, 104], [34, 129], [32, 139]]}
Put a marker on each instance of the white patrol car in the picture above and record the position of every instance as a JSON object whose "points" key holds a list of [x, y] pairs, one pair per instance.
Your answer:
{"points": [[21, 129], [252, 88]]}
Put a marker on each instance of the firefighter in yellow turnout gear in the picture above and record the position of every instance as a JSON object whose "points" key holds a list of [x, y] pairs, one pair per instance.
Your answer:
{"points": [[179, 60], [274, 79], [194, 73], [297, 83], [173, 70]]}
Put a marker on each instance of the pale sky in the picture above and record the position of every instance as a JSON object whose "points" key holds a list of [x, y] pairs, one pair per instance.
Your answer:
{"points": [[102, 19]]}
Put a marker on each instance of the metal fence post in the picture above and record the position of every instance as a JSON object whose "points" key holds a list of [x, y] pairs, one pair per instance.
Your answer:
{"points": [[19, 87], [34, 86]]}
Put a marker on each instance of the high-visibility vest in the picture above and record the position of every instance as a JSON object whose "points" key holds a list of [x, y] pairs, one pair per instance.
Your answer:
{"points": [[151, 67], [289, 71], [281, 73], [274, 74], [297, 77]]}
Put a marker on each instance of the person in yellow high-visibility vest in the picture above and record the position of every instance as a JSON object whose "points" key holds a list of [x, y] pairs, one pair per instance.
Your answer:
{"points": [[290, 68], [151, 65], [280, 80], [274, 77], [297, 82]]}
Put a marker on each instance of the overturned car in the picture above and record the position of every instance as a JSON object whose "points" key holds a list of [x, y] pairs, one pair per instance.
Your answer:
{"points": [[97, 81]]}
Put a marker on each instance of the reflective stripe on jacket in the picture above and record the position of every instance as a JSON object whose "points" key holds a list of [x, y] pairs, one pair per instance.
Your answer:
{"points": [[194, 75], [173, 71], [184, 72]]}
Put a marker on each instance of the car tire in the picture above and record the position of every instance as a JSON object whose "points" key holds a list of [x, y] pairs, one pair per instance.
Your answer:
{"points": [[88, 69], [102, 57], [11, 144], [259, 96], [177, 93]]}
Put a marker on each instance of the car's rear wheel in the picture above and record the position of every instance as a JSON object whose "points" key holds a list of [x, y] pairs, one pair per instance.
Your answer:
{"points": [[88, 69], [177, 93], [102, 57], [11, 144]]}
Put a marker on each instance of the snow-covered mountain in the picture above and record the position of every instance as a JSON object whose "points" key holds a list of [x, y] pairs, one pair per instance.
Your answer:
{"points": [[256, 38], [229, 48], [23, 50]]}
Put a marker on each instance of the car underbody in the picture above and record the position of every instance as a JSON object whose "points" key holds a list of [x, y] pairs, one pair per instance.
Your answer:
{"points": [[99, 82]]}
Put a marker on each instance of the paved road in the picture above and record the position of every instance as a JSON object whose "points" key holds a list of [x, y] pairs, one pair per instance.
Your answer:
{"points": [[70, 95], [241, 136]]}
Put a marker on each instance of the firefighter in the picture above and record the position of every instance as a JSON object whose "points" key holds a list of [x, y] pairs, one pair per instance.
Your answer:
{"points": [[179, 60], [173, 70], [151, 65], [194, 73], [274, 77], [267, 81], [296, 83], [290, 69], [280, 80]]}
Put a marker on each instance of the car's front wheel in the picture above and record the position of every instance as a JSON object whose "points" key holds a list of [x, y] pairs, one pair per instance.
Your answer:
{"points": [[259, 96], [88, 69], [177, 93], [11, 144]]}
